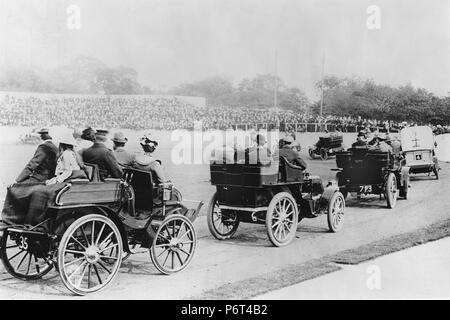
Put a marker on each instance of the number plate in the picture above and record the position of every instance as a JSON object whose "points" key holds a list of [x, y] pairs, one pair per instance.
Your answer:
{"points": [[365, 189]]}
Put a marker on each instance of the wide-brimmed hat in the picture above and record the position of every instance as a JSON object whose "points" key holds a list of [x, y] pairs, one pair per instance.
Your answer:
{"points": [[67, 138], [119, 137], [43, 131]]}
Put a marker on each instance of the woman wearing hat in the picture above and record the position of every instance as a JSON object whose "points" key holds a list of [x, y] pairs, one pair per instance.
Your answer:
{"points": [[147, 162], [69, 164]]}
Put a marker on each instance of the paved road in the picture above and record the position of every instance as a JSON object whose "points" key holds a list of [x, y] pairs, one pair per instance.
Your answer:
{"points": [[416, 273], [249, 254]]}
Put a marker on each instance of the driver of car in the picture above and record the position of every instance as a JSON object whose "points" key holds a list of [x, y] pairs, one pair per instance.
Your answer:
{"points": [[291, 155]]}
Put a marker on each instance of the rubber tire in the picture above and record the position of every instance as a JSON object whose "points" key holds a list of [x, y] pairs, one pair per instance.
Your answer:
{"points": [[391, 201], [331, 226]]}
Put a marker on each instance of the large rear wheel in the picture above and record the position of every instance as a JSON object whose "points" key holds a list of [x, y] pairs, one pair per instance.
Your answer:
{"points": [[25, 258], [282, 219], [221, 224], [90, 254]]}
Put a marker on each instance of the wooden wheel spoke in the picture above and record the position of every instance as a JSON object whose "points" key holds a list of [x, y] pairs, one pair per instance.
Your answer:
{"points": [[77, 269], [29, 264], [98, 274], [21, 260], [187, 232], [36, 263], [100, 234], [84, 236], [110, 247], [73, 261], [74, 251], [83, 272], [101, 265], [167, 257], [104, 242], [179, 258], [76, 240], [162, 252], [9, 259]]}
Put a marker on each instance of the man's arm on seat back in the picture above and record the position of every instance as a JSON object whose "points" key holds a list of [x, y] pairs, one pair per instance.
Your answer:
{"points": [[113, 166], [299, 160]]}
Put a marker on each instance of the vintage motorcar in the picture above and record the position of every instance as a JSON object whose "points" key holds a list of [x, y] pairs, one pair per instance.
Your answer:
{"points": [[418, 149], [366, 171], [326, 147], [277, 194], [92, 224]]}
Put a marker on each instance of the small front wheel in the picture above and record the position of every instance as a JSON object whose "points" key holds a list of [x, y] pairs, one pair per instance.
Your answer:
{"points": [[173, 244], [336, 209], [282, 219]]}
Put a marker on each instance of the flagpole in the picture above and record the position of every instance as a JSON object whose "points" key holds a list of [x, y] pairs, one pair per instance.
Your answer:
{"points": [[321, 86], [275, 91]]}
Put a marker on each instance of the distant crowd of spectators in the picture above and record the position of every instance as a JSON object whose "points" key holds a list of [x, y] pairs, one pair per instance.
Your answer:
{"points": [[169, 113]]}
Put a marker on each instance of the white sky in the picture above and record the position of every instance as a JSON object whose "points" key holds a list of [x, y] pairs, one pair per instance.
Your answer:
{"points": [[173, 41]]}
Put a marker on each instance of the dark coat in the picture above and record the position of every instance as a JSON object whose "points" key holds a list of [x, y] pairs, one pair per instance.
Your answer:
{"points": [[292, 156], [107, 163], [42, 166], [359, 144]]}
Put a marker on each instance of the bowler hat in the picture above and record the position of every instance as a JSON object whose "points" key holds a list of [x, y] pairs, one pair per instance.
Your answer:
{"points": [[119, 137], [43, 130]]}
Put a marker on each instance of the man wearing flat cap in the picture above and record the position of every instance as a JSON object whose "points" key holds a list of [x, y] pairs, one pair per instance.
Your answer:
{"points": [[100, 155], [291, 155], [123, 157], [42, 166]]}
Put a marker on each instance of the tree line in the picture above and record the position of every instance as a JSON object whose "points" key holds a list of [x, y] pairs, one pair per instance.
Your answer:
{"points": [[343, 96]]}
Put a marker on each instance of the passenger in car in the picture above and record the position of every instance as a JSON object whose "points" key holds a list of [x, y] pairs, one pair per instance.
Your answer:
{"points": [[291, 155], [100, 155], [360, 141], [147, 162], [123, 156]]}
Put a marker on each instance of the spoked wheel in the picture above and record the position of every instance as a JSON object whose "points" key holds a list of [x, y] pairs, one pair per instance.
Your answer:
{"points": [[336, 209], [25, 258], [222, 225], [391, 191], [323, 154], [89, 254], [282, 219], [174, 244]]}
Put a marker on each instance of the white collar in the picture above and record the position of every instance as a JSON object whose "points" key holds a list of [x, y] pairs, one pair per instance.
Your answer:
{"points": [[48, 140]]}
